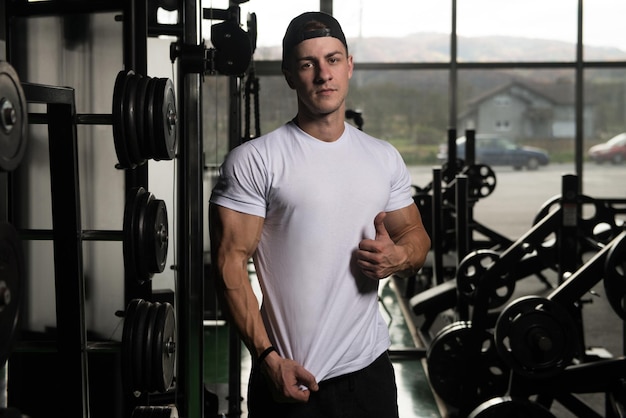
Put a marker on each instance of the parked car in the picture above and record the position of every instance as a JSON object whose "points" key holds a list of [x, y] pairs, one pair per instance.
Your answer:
{"points": [[494, 150], [613, 150]]}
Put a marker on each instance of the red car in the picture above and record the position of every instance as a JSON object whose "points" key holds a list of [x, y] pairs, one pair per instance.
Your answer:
{"points": [[613, 150]]}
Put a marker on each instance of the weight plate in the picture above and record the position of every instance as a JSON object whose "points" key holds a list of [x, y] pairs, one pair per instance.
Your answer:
{"points": [[169, 411], [449, 171], [597, 224], [149, 124], [13, 270], [140, 323], [148, 347], [118, 111], [536, 337], [157, 236], [451, 351], [506, 406], [616, 402], [615, 277], [10, 413], [130, 120], [127, 346], [164, 120], [469, 277], [130, 227], [13, 118], [481, 180], [142, 233], [143, 412], [140, 115], [164, 346]]}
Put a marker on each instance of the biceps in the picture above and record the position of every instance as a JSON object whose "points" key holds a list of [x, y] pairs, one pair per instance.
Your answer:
{"points": [[403, 221]]}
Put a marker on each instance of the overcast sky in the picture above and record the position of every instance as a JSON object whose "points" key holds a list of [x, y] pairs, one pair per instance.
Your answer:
{"points": [[545, 19]]}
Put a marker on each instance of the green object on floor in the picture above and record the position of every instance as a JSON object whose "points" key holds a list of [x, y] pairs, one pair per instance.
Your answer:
{"points": [[415, 397], [216, 353]]}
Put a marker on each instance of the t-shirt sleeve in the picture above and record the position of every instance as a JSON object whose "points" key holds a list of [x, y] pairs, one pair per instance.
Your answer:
{"points": [[241, 182], [401, 194]]}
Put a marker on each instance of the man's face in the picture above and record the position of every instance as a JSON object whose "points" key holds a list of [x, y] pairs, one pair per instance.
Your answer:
{"points": [[320, 71]]}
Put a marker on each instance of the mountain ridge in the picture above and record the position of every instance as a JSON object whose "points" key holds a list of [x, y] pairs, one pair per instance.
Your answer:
{"points": [[435, 47]]}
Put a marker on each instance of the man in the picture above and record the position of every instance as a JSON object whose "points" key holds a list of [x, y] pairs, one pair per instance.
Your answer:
{"points": [[325, 211]]}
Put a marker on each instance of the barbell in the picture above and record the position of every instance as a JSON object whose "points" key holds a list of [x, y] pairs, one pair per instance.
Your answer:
{"points": [[144, 236]]}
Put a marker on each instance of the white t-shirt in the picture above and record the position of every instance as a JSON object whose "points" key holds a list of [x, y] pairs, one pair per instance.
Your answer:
{"points": [[318, 200]]}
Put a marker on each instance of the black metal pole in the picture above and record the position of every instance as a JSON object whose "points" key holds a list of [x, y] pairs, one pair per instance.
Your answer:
{"points": [[190, 249]]}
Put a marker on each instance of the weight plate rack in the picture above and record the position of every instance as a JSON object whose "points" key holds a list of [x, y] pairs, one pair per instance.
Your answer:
{"points": [[145, 235], [143, 119]]}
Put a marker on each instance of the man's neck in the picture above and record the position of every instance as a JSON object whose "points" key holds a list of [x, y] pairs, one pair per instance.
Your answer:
{"points": [[327, 129]]}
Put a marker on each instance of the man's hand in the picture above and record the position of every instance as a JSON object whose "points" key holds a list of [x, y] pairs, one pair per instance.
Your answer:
{"points": [[379, 257], [290, 381]]}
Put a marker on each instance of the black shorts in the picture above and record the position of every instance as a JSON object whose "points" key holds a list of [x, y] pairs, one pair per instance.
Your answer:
{"points": [[367, 393]]}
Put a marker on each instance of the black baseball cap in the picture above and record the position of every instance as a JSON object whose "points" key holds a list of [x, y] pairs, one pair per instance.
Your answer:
{"points": [[297, 31]]}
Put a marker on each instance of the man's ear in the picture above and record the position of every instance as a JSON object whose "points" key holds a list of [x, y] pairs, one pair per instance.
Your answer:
{"points": [[289, 78]]}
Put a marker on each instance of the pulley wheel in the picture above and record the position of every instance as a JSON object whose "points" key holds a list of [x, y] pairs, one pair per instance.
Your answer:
{"points": [[470, 274], [615, 277], [454, 348], [508, 407], [11, 290], [536, 337], [13, 118]]}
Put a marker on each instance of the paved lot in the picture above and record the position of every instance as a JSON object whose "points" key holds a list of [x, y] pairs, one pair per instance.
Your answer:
{"points": [[519, 195]]}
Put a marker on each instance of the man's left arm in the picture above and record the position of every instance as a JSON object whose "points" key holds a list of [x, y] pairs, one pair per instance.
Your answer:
{"points": [[400, 246]]}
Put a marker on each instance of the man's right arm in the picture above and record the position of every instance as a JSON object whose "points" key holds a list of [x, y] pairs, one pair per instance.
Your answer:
{"points": [[234, 239]]}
